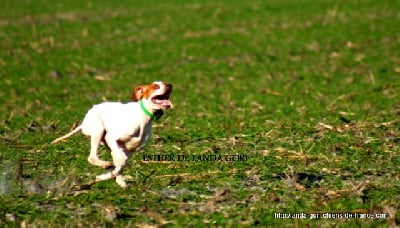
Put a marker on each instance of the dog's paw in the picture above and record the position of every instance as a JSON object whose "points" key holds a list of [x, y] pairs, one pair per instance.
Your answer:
{"points": [[120, 181], [103, 177], [107, 164], [98, 162]]}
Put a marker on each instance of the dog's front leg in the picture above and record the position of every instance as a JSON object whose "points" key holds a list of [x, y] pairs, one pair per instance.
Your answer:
{"points": [[119, 158]]}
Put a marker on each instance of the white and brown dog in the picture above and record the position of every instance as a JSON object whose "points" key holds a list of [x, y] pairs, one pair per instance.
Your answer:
{"points": [[124, 128]]}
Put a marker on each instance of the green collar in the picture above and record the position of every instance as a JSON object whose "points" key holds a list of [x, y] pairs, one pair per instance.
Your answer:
{"points": [[156, 116]]}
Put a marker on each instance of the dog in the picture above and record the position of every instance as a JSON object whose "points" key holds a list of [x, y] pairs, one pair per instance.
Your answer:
{"points": [[123, 127]]}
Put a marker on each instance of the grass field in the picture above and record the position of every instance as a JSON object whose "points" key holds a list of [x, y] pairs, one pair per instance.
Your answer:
{"points": [[306, 90]]}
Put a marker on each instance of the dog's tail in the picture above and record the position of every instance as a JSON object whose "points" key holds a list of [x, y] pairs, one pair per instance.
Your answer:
{"points": [[67, 135]]}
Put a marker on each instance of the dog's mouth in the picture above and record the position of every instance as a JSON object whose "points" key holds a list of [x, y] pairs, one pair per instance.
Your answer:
{"points": [[162, 100]]}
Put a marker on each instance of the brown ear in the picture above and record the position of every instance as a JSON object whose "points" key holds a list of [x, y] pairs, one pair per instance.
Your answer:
{"points": [[137, 94]]}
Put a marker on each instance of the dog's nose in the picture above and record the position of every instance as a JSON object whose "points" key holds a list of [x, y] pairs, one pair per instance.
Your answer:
{"points": [[169, 87]]}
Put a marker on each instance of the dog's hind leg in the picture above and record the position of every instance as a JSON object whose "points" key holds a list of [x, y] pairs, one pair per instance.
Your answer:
{"points": [[93, 158], [93, 126]]}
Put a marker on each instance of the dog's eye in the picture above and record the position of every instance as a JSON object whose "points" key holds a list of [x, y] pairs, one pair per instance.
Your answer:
{"points": [[156, 86]]}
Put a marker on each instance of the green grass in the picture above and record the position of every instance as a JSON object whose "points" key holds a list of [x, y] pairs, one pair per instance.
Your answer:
{"points": [[308, 90]]}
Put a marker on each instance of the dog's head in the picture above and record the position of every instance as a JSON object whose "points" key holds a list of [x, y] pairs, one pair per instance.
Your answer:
{"points": [[157, 95]]}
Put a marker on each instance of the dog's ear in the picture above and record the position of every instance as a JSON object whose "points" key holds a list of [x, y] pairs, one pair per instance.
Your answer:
{"points": [[137, 93]]}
